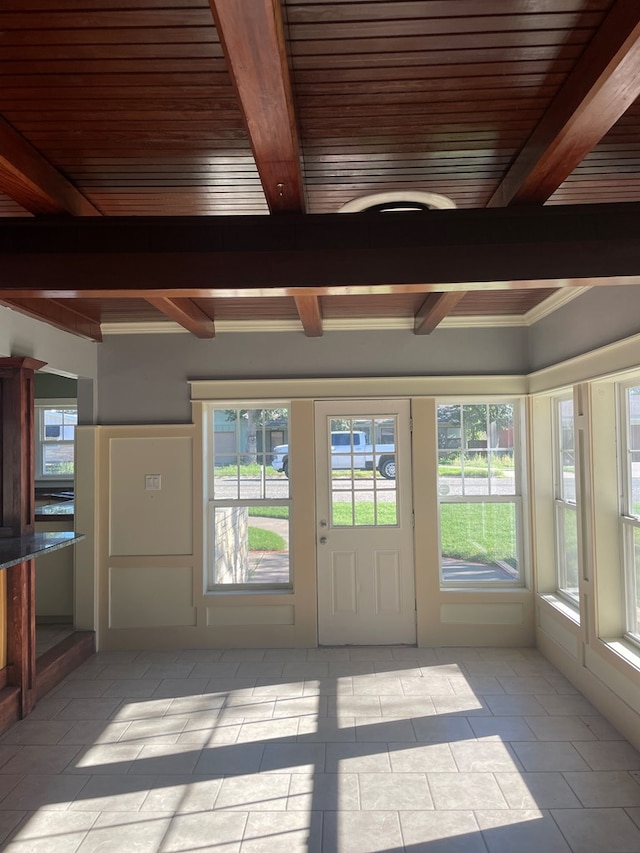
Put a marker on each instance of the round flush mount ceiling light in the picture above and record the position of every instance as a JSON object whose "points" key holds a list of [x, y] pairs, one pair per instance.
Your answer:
{"points": [[400, 200]]}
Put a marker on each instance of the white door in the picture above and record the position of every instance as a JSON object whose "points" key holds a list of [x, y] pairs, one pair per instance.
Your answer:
{"points": [[364, 525]]}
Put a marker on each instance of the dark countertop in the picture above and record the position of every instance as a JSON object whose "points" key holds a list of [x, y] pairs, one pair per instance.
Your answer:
{"points": [[23, 548]]}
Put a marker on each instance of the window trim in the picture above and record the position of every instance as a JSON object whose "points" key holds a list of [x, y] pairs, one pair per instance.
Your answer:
{"points": [[629, 525], [560, 502], [211, 503], [628, 521], [517, 498]]}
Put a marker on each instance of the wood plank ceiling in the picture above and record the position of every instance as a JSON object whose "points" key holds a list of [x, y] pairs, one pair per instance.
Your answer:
{"points": [[156, 108]]}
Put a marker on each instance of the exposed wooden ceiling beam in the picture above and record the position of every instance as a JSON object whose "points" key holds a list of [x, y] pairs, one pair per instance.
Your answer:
{"points": [[251, 33], [186, 313], [310, 315], [603, 84], [31, 181], [308, 255], [434, 309], [59, 315]]}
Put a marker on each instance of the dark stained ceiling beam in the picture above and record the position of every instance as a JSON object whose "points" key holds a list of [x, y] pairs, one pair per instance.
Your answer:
{"points": [[251, 33], [186, 313], [310, 314], [601, 87], [434, 309], [59, 315], [31, 181], [315, 255]]}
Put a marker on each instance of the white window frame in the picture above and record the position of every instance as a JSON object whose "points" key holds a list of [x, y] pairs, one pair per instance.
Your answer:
{"points": [[40, 406], [561, 503], [516, 499], [629, 521], [211, 502]]}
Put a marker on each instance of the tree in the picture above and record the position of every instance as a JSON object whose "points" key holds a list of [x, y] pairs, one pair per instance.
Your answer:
{"points": [[256, 419], [479, 420]]}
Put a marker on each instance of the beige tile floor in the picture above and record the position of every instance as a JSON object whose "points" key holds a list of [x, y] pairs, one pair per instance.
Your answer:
{"points": [[346, 749]]}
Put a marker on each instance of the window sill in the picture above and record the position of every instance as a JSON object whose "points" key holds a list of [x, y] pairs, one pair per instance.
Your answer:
{"points": [[246, 591], [562, 606], [483, 590], [625, 650]]}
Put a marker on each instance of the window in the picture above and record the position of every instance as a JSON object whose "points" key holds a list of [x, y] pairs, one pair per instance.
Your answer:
{"points": [[248, 506], [363, 472], [630, 500], [480, 494], [565, 512], [56, 423]]}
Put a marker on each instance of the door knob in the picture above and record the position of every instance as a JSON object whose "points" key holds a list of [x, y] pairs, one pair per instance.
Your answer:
{"points": [[323, 540]]}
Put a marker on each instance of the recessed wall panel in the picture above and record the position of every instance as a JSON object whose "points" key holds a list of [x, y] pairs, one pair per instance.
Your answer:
{"points": [[151, 597], [387, 581], [551, 624], [151, 496], [482, 614], [251, 615], [343, 582]]}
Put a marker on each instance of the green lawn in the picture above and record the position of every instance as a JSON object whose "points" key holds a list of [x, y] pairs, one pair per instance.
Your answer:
{"points": [[265, 540], [475, 532], [342, 514], [269, 511], [478, 532], [475, 466], [254, 470], [250, 470], [472, 471]]}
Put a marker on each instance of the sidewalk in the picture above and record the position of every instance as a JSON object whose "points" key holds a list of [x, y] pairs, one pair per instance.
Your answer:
{"points": [[270, 566]]}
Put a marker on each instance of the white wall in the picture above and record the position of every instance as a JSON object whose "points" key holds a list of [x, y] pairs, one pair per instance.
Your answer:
{"points": [[595, 319], [143, 378]]}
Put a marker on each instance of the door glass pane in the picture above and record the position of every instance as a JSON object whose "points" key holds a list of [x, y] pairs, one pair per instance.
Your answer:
{"points": [[361, 457]]}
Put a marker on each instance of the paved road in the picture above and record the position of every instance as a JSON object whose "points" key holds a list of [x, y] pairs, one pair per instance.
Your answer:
{"points": [[277, 488]]}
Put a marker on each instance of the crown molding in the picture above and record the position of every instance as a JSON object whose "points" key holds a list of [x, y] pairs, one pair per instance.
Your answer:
{"points": [[552, 303], [352, 325], [611, 361]]}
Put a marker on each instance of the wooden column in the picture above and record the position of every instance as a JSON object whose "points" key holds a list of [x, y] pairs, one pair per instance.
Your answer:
{"points": [[21, 633], [17, 506]]}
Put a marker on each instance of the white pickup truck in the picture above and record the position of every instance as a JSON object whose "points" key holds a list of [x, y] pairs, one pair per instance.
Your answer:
{"points": [[349, 450]]}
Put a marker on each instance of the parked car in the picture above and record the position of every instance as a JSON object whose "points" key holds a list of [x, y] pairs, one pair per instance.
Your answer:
{"points": [[349, 451]]}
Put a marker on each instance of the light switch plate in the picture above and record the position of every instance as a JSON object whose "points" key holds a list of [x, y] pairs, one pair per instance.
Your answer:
{"points": [[152, 482]]}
